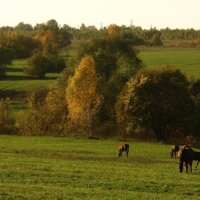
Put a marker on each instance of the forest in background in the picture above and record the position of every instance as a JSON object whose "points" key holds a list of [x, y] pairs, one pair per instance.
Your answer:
{"points": [[104, 90]]}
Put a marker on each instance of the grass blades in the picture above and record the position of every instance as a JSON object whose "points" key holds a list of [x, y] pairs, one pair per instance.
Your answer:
{"points": [[81, 168]]}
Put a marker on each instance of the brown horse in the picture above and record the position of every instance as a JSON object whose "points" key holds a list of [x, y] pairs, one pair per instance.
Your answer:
{"points": [[196, 156], [174, 150], [123, 147], [185, 156]]}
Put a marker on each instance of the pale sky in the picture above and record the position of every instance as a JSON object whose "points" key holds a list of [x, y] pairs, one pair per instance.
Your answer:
{"points": [[145, 13]]}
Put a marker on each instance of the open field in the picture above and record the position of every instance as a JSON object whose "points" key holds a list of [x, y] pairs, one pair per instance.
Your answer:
{"points": [[82, 168], [185, 59], [17, 80]]}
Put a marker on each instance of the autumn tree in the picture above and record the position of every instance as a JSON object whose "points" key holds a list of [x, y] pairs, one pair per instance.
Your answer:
{"points": [[116, 60], [52, 33], [158, 101], [82, 98], [45, 117], [114, 29]]}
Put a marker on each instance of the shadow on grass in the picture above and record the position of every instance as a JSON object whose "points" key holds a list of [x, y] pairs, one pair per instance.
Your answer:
{"points": [[13, 94], [13, 70], [25, 77]]}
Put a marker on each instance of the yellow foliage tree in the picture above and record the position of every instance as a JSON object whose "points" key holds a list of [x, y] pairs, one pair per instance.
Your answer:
{"points": [[113, 29], [81, 95]]}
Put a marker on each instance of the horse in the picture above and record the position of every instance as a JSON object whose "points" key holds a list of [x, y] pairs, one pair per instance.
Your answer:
{"points": [[123, 147], [174, 150], [196, 156], [185, 156]]}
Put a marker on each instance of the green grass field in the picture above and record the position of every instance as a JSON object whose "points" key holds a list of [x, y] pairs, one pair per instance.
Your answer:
{"points": [[81, 168], [17, 80], [185, 59]]}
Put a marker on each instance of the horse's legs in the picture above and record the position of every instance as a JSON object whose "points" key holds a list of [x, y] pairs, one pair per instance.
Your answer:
{"points": [[197, 164], [190, 166], [186, 165], [127, 154]]}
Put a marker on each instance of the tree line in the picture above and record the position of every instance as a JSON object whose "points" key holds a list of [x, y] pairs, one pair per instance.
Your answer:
{"points": [[106, 92]]}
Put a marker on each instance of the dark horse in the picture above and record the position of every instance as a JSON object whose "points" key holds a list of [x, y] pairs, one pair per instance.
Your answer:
{"points": [[123, 147], [174, 149], [185, 156], [196, 156]]}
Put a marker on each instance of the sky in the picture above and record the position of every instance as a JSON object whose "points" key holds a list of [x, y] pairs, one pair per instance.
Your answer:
{"points": [[181, 14]]}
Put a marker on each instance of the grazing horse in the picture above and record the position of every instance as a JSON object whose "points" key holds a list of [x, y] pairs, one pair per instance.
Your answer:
{"points": [[185, 156], [123, 147], [196, 156], [174, 150]]}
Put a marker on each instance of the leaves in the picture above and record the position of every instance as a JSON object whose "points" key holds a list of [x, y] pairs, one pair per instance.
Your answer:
{"points": [[82, 98], [158, 100]]}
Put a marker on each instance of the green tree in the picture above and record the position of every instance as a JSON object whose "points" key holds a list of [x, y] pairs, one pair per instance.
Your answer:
{"points": [[6, 57], [23, 27], [82, 97], [156, 41], [195, 91], [45, 61], [158, 101], [109, 54], [38, 65]]}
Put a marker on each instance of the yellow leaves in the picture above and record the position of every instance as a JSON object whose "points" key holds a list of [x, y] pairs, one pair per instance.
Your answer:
{"points": [[113, 29], [47, 37], [82, 98]]}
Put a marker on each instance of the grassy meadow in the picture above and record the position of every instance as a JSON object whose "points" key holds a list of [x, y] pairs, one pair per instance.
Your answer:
{"points": [[185, 59], [17, 80], [83, 168]]}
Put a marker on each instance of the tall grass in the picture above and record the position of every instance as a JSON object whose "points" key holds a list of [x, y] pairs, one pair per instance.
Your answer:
{"points": [[81, 168]]}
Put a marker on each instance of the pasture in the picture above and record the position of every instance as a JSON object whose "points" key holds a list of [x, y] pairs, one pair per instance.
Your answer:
{"points": [[185, 59], [82, 168], [18, 81]]}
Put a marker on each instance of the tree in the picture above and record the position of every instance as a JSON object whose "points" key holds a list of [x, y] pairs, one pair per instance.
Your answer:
{"points": [[195, 91], [114, 29], [109, 54], [23, 27], [38, 65], [52, 33], [6, 57], [156, 41], [115, 61], [47, 116], [82, 98], [158, 101], [45, 61]]}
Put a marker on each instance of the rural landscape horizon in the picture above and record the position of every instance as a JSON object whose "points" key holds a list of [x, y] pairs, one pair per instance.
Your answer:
{"points": [[70, 97]]}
